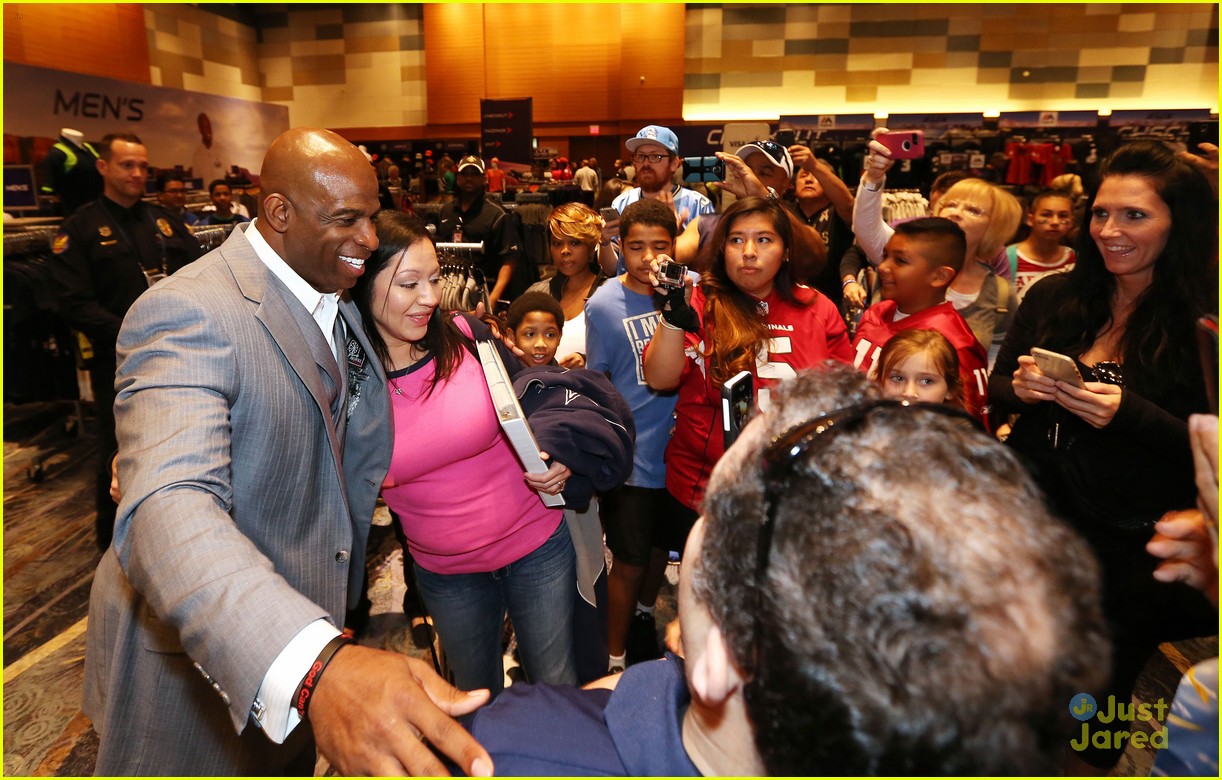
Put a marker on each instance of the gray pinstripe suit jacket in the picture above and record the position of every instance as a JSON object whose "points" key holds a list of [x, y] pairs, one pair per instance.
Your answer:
{"points": [[240, 521]]}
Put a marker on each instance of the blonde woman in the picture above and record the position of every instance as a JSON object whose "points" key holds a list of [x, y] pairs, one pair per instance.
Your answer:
{"points": [[574, 232]]}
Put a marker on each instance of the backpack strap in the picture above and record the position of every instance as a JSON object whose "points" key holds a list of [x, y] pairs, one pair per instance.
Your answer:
{"points": [[1012, 254]]}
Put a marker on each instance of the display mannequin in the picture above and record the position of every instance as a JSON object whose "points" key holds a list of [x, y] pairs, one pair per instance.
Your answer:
{"points": [[71, 173]]}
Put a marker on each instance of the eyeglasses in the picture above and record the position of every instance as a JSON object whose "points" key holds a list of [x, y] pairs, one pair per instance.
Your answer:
{"points": [[778, 460], [653, 158], [971, 209]]}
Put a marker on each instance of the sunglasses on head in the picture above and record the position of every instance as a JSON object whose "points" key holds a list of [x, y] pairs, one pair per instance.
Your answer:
{"points": [[773, 148], [799, 442]]}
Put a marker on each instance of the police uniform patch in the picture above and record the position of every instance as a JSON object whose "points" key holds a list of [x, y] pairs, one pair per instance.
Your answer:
{"points": [[166, 230], [59, 244], [104, 231]]}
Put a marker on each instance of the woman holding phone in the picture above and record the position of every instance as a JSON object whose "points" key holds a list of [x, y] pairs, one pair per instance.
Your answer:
{"points": [[747, 314], [1113, 455]]}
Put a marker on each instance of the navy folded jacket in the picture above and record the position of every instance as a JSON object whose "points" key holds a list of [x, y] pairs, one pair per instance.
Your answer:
{"points": [[580, 420]]}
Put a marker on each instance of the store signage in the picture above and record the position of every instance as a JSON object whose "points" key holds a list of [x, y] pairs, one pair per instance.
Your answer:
{"points": [[506, 129], [737, 134], [1155, 118], [827, 122], [19, 194], [1012, 120], [934, 121], [38, 102], [98, 106]]}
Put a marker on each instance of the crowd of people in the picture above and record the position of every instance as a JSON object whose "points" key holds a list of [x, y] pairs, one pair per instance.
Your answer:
{"points": [[923, 542]]}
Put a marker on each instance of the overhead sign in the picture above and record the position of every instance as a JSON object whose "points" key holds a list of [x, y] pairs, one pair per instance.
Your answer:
{"points": [[1140, 117], [828, 122], [506, 129], [1010, 120]]}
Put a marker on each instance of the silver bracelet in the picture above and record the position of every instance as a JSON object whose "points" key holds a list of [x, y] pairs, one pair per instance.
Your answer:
{"points": [[666, 324]]}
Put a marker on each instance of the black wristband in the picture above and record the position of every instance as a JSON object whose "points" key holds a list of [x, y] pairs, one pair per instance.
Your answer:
{"points": [[310, 681], [678, 312]]}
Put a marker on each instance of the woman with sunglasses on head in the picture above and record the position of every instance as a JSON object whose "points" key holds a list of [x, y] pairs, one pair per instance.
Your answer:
{"points": [[482, 541], [574, 232], [747, 314], [988, 216], [1113, 454]]}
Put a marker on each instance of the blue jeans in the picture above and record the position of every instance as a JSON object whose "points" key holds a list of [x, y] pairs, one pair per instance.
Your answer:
{"points": [[537, 590]]}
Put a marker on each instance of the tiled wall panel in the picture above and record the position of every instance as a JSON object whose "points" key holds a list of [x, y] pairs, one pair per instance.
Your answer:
{"points": [[364, 65], [902, 57], [333, 65]]}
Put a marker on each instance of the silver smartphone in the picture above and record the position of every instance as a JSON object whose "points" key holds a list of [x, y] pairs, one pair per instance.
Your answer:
{"points": [[1057, 366]]}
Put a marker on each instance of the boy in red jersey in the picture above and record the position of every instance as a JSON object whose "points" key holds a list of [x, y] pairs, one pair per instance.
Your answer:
{"points": [[919, 262]]}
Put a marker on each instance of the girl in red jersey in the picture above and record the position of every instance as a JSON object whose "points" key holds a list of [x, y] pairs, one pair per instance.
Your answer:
{"points": [[747, 314]]}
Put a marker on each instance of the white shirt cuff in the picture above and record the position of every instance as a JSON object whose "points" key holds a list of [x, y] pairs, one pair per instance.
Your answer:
{"points": [[274, 709]]}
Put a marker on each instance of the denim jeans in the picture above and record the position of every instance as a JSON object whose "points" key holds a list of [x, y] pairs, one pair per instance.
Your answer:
{"points": [[538, 591]]}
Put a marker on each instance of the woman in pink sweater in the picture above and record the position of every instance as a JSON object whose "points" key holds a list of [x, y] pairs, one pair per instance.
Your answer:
{"points": [[482, 541]]}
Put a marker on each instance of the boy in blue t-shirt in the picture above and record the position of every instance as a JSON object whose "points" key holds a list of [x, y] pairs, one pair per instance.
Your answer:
{"points": [[620, 319]]}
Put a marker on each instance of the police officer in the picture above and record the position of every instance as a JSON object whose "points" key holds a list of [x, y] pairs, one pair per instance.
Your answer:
{"points": [[107, 253]]}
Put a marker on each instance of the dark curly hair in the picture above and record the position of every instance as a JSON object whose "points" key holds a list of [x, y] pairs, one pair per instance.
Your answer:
{"points": [[914, 619]]}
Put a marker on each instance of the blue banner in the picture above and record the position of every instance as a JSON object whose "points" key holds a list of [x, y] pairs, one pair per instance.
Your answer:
{"points": [[1155, 118], [19, 192], [1010, 120]]}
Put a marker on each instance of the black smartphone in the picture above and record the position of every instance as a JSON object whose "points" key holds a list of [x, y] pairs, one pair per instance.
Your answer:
{"points": [[1201, 133], [703, 169], [737, 400], [785, 137]]}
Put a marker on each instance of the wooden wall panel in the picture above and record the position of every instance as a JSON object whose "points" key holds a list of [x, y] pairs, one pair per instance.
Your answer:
{"points": [[581, 63], [102, 39], [652, 46], [454, 62]]}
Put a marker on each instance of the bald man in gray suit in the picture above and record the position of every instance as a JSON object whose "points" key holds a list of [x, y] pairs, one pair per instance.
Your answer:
{"points": [[254, 433]]}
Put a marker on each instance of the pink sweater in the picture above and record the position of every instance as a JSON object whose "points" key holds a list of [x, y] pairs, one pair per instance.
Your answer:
{"points": [[455, 481]]}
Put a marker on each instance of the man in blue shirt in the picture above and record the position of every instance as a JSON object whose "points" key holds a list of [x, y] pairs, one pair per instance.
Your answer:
{"points": [[873, 589]]}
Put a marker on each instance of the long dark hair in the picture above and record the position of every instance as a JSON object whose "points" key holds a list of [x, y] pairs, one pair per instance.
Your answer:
{"points": [[735, 329], [1158, 345], [396, 233]]}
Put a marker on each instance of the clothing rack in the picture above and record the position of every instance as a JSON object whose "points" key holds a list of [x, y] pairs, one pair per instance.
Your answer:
{"points": [[212, 236], [904, 204], [33, 239], [464, 250]]}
